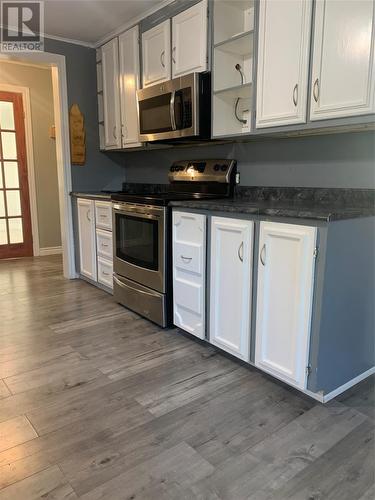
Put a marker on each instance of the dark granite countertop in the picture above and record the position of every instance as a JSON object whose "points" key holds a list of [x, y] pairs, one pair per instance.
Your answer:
{"points": [[95, 195], [281, 208]]}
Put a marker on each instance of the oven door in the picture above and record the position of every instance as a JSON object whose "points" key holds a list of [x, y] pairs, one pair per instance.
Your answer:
{"points": [[139, 244]]}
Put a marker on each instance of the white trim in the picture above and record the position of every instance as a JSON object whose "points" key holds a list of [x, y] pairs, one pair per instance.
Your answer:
{"points": [[348, 385], [61, 112], [25, 92], [50, 251], [131, 23], [90, 45]]}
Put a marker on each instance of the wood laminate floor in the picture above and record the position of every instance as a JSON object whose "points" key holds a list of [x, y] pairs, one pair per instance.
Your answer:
{"points": [[97, 403]]}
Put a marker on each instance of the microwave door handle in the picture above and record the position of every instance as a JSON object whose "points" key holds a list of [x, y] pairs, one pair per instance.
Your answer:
{"points": [[171, 110]]}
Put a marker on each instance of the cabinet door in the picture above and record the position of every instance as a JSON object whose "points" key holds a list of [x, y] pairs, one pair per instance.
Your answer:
{"points": [[189, 272], [129, 84], [156, 54], [189, 40], [86, 236], [343, 59], [283, 62], [230, 294], [284, 300], [111, 95]]}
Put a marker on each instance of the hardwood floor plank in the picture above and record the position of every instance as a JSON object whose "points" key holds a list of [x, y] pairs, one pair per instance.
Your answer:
{"points": [[15, 431], [179, 466], [49, 483], [344, 472]]}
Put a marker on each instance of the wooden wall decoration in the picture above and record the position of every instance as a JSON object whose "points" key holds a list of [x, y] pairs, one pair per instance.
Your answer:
{"points": [[77, 136]]}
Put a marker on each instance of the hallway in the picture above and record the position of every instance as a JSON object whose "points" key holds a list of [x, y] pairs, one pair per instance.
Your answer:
{"points": [[98, 403]]}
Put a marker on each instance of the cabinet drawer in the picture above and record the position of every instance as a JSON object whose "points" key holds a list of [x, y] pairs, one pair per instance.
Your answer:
{"points": [[105, 272], [188, 257], [103, 215], [104, 244]]}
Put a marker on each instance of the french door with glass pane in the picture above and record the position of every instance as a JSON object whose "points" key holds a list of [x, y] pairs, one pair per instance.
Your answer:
{"points": [[15, 220]]}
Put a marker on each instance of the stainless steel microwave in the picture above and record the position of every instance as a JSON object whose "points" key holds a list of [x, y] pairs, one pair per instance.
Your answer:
{"points": [[178, 109]]}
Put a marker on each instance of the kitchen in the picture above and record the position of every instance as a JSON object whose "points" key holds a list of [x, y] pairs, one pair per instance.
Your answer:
{"points": [[234, 223]]}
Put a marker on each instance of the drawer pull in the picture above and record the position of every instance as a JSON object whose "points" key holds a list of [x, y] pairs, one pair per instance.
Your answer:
{"points": [[105, 245], [103, 216], [186, 259], [106, 274]]}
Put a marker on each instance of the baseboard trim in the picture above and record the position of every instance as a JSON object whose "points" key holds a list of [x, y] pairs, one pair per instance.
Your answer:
{"points": [[50, 251], [348, 385]]}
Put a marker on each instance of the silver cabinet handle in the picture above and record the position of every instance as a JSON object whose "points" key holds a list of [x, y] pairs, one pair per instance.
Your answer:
{"points": [[114, 132], [104, 245], [173, 55], [316, 90], [262, 255], [103, 216], [123, 131], [240, 252], [88, 215], [295, 94], [106, 274], [186, 259], [162, 58]]}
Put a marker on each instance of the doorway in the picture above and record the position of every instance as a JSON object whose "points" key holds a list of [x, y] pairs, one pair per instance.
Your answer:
{"points": [[60, 100], [15, 217]]}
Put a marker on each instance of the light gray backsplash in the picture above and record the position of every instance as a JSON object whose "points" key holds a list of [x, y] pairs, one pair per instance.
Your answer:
{"points": [[345, 160]]}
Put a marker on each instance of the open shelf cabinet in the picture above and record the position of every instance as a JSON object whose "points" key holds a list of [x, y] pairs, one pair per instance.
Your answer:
{"points": [[233, 60]]}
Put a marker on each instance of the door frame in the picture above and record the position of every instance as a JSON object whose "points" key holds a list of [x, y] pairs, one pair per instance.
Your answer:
{"points": [[61, 111], [25, 92]]}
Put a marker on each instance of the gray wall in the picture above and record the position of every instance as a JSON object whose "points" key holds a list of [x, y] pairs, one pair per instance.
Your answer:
{"points": [[336, 160], [100, 171]]}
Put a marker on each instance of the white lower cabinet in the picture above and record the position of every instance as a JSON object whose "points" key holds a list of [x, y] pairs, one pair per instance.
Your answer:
{"points": [[230, 286], [95, 241], [189, 269], [286, 266], [86, 237]]}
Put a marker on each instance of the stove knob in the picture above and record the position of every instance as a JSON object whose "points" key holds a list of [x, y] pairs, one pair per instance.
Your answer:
{"points": [[216, 167], [223, 168], [181, 169]]}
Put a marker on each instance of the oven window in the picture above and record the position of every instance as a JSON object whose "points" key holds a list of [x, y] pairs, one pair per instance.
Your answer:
{"points": [[137, 241], [155, 114]]}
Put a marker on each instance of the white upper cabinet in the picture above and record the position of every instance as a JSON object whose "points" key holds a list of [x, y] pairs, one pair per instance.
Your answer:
{"points": [[156, 54], [343, 59], [283, 62], [111, 95], [284, 300], [129, 84], [189, 272], [189, 40], [231, 275]]}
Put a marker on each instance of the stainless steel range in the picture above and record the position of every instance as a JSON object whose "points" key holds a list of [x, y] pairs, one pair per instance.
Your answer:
{"points": [[142, 243]]}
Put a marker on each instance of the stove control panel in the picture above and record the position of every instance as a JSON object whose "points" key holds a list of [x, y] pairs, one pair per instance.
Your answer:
{"points": [[203, 171]]}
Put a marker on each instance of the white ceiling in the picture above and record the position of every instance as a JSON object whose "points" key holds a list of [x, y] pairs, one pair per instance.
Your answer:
{"points": [[89, 21]]}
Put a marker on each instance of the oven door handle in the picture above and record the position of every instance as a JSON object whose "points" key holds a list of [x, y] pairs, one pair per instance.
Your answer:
{"points": [[172, 110], [136, 214]]}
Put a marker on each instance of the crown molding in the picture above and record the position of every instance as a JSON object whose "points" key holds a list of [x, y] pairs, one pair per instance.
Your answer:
{"points": [[132, 22], [90, 45]]}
